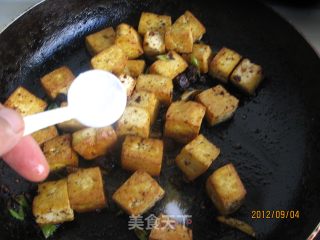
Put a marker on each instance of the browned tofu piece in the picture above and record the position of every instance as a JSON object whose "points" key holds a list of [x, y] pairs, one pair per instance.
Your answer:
{"points": [[25, 102], [153, 43], [224, 63], [220, 105], [196, 157], [91, 143], [128, 39], [112, 59], [169, 67], [128, 82], [153, 22], [146, 100], [179, 36], [86, 190], [197, 28], [45, 134], [70, 125], [138, 194], [166, 228], [59, 153], [225, 189], [161, 86], [247, 76], [134, 68], [202, 53], [134, 121], [101, 40], [142, 154], [57, 81], [183, 120], [51, 205]]}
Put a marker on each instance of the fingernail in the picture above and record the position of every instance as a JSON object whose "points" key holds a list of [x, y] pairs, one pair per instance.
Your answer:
{"points": [[13, 119]]}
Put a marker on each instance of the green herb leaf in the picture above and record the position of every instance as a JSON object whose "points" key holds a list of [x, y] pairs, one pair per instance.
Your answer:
{"points": [[163, 57], [141, 234], [21, 199], [48, 230], [52, 106], [194, 61], [19, 215]]}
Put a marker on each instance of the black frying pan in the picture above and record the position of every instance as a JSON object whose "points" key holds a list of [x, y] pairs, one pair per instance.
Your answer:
{"points": [[273, 139]]}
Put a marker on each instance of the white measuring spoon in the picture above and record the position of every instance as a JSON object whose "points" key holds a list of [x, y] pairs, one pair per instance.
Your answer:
{"points": [[96, 98]]}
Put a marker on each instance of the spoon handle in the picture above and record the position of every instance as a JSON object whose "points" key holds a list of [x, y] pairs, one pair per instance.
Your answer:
{"points": [[45, 119]]}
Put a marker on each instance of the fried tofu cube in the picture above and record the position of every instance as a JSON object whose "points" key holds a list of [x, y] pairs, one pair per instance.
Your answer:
{"points": [[146, 100], [166, 228], [223, 64], [161, 86], [51, 205], [197, 28], [202, 53], [128, 82], [138, 194], [86, 190], [179, 36], [153, 43], [170, 67], [112, 59], [101, 40], [220, 105], [196, 157], [91, 143], [142, 154], [153, 22], [247, 76], [25, 102], [129, 41], [45, 134], [134, 121], [59, 153], [226, 189], [183, 120], [70, 125], [57, 82], [134, 68]]}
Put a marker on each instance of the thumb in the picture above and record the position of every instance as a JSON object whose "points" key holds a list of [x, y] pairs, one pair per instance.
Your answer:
{"points": [[11, 129]]}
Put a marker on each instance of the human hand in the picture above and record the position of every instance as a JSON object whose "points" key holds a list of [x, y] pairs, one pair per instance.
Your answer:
{"points": [[22, 154]]}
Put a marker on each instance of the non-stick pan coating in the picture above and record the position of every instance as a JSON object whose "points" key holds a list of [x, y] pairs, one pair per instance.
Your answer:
{"points": [[273, 139]]}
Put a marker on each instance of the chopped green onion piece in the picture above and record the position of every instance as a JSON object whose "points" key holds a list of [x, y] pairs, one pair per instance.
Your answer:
{"points": [[21, 199], [163, 57], [141, 234], [52, 106], [19, 215], [194, 61], [48, 230]]}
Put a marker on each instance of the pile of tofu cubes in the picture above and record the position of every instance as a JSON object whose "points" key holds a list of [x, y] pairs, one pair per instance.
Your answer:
{"points": [[119, 51]]}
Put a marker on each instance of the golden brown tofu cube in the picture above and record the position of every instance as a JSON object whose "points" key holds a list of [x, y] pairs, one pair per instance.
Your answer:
{"points": [[129, 41], [183, 120], [70, 125], [170, 67], [153, 22], [202, 53], [112, 59], [142, 154], [57, 81], [45, 134], [134, 68], [91, 143], [51, 205], [146, 100], [196, 157], [223, 64], [138, 194], [128, 82], [153, 43], [225, 189], [134, 121], [196, 26], [25, 102], [166, 228], [179, 37], [101, 40], [161, 86], [220, 105], [86, 190], [59, 153], [247, 76]]}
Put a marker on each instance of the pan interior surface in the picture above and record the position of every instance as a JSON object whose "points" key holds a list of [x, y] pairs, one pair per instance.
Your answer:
{"points": [[272, 139]]}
